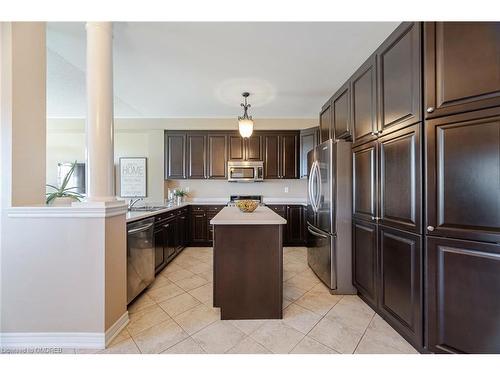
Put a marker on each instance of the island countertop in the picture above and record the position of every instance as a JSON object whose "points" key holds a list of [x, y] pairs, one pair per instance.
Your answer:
{"points": [[233, 216]]}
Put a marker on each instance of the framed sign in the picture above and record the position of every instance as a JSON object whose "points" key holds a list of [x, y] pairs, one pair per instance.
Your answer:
{"points": [[133, 177]]}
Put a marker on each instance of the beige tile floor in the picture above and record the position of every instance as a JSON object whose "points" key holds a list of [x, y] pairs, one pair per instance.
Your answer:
{"points": [[175, 316]]}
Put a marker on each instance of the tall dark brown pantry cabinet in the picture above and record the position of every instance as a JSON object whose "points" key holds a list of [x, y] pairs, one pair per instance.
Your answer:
{"points": [[386, 122]]}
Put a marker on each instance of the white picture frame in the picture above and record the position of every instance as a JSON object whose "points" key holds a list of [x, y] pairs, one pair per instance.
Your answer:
{"points": [[133, 177]]}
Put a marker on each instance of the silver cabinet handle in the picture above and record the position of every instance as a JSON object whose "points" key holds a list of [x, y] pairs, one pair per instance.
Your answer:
{"points": [[430, 228], [430, 109]]}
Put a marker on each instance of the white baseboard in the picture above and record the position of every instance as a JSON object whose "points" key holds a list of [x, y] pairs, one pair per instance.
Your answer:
{"points": [[80, 340], [73, 340], [116, 328]]}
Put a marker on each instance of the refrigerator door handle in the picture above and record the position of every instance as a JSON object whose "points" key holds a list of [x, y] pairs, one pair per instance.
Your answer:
{"points": [[318, 176], [311, 186], [317, 234]]}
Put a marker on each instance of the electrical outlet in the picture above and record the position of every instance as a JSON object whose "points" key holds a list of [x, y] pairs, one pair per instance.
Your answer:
{"points": [[286, 189]]}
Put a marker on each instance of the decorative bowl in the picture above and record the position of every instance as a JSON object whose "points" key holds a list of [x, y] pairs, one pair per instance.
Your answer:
{"points": [[246, 205]]}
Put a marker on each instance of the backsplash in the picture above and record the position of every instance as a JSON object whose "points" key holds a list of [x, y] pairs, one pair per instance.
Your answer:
{"points": [[223, 189]]}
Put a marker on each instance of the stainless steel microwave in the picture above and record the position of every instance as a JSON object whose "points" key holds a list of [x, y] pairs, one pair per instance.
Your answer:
{"points": [[245, 171]]}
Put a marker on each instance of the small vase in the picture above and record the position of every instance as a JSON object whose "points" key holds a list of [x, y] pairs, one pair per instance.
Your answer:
{"points": [[179, 200]]}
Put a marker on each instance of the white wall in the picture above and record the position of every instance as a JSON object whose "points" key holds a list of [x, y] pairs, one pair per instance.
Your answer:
{"points": [[144, 137], [223, 189]]}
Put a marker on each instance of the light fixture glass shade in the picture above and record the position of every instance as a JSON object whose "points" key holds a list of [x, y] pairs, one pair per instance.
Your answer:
{"points": [[245, 126]]}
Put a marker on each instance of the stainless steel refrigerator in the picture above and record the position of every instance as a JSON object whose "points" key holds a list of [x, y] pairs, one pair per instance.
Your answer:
{"points": [[329, 213]]}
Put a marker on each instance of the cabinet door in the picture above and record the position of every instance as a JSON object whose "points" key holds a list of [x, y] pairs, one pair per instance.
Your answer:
{"points": [[170, 233], [325, 122], [295, 225], [364, 258], [253, 148], [399, 179], [364, 161], [308, 140], [400, 291], [197, 161], [217, 156], [181, 231], [463, 176], [236, 150], [271, 156], [341, 122], [160, 260], [289, 150], [363, 103], [198, 227], [463, 304], [462, 66], [399, 77], [175, 155]]}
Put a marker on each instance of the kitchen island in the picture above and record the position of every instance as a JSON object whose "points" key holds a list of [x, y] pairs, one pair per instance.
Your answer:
{"points": [[248, 263]]}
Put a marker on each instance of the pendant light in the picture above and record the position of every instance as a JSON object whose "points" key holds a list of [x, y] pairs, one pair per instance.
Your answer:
{"points": [[245, 123]]}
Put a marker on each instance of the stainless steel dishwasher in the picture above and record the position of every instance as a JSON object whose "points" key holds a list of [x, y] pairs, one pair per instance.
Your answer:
{"points": [[140, 257]]}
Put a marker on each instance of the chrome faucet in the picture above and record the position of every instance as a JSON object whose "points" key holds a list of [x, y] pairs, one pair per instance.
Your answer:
{"points": [[132, 202]]}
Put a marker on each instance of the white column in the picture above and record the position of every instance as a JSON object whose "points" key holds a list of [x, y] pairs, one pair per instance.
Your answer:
{"points": [[99, 126]]}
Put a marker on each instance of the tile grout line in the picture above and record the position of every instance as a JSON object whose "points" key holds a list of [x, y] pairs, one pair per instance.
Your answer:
{"points": [[323, 317], [364, 333]]}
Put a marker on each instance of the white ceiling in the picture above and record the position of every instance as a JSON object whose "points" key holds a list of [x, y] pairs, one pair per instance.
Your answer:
{"points": [[200, 69]]}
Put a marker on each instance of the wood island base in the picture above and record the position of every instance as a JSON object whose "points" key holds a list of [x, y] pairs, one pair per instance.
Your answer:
{"points": [[248, 271]]}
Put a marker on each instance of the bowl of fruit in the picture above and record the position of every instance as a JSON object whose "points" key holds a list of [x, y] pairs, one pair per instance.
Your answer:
{"points": [[246, 205]]}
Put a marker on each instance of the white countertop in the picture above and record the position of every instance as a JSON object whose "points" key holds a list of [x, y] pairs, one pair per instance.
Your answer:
{"points": [[138, 215], [261, 216]]}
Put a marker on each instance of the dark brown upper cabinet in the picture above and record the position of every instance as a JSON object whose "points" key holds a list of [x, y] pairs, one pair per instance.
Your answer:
{"points": [[325, 122], [341, 116], [463, 176], [175, 155], [271, 156], [399, 179], [462, 66], [463, 285], [217, 156], [253, 148], [364, 262], [399, 78], [281, 155], [289, 152], [400, 276], [308, 140], [204, 154], [364, 181], [364, 102], [236, 148], [196, 155], [245, 149]]}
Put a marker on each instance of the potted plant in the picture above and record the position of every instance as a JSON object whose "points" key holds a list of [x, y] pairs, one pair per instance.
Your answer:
{"points": [[180, 194], [63, 195]]}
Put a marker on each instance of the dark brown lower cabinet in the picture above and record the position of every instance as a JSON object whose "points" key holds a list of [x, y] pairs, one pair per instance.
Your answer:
{"points": [[165, 240], [198, 221], [463, 296], [400, 281], [364, 260], [294, 231], [201, 233]]}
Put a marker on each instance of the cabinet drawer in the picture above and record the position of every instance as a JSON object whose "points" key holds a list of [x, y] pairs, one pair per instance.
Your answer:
{"points": [[198, 208]]}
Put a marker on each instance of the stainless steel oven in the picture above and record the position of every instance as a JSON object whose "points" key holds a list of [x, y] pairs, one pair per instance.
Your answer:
{"points": [[245, 171]]}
